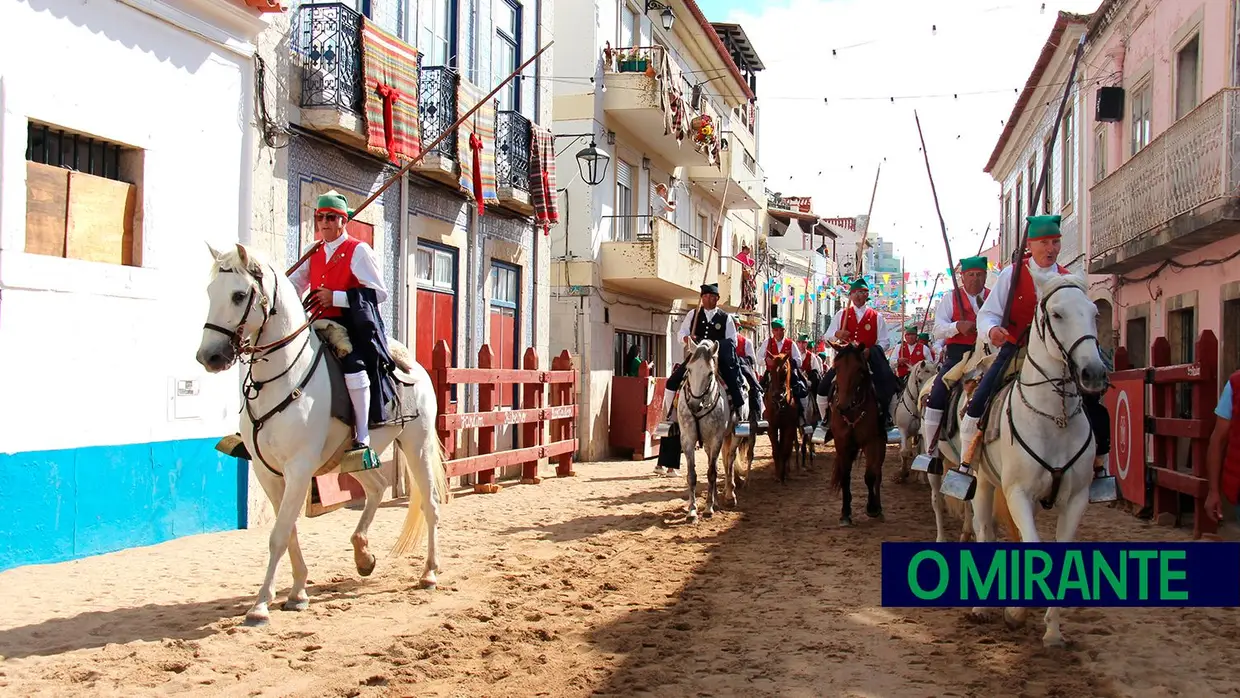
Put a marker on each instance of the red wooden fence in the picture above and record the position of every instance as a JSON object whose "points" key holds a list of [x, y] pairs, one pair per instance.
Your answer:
{"points": [[636, 409], [560, 386], [1161, 474]]}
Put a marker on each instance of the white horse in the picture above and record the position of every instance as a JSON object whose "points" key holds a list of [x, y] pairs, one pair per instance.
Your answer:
{"points": [[906, 413], [287, 425], [1045, 447], [702, 412]]}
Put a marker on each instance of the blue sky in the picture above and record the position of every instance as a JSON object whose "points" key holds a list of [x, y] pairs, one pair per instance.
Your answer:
{"points": [[932, 56]]}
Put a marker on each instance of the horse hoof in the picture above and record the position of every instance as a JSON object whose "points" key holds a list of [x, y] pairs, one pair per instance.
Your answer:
{"points": [[692, 517], [428, 584], [1053, 642], [877, 517], [846, 521], [366, 570], [708, 515], [1012, 622], [253, 620], [296, 605]]}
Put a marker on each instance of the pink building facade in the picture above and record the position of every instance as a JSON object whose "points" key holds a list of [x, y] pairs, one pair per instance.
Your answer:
{"points": [[1161, 171]]}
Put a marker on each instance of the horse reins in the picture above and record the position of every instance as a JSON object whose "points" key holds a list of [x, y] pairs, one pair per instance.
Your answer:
{"points": [[1059, 386], [241, 346], [858, 397]]}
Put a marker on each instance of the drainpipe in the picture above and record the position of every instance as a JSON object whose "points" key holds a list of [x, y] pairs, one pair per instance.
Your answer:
{"points": [[245, 213]]}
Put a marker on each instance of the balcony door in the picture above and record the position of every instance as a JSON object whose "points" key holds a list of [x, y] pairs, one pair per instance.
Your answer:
{"points": [[435, 267], [436, 22]]}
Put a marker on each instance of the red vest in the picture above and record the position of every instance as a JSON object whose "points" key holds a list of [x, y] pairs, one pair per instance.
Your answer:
{"points": [[740, 345], [772, 351], [867, 333], [1231, 459], [913, 355], [807, 361], [1025, 303], [335, 274], [962, 311]]}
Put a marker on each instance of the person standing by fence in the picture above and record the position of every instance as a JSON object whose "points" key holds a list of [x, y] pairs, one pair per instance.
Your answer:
{"points": [[1223, 454]]}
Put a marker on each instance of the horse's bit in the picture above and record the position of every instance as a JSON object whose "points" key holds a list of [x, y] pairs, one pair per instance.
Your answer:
{"points": [[1058, 385]]}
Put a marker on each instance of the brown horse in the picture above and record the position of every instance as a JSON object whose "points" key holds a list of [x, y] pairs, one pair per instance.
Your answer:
{"points": [[855, 424], [781, 414]]}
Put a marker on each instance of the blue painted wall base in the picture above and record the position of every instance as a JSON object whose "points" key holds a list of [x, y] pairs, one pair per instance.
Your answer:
{"points": [[66, 504]]}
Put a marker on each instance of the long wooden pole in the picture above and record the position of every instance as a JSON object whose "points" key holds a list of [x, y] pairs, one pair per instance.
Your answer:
{"points": [[1018, 253], [718, 229], [450, 131], [929, 301], [947, 245], [868, 215], [982, 245]]}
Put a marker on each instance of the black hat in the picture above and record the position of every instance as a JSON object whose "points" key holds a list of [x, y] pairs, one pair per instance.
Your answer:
{"points": [[710, 288]]}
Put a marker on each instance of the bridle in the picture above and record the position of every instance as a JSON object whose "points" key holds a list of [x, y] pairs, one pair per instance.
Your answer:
{"points": [[242, 347], [1042, 325], [856, 396], [711, 394]]}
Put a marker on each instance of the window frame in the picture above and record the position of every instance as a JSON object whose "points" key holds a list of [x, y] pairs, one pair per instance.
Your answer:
{"points": [[1142, 94], [1194, 37], [513, 43], [1067, 158]]}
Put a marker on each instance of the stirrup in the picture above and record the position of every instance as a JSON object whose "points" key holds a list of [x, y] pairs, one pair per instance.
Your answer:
{"points": [[359, 457]]}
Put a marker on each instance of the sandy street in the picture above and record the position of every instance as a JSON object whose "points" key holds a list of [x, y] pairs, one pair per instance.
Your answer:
{"points": [[587, 585]]}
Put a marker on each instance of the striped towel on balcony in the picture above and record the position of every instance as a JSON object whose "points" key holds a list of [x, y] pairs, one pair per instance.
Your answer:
{"points": [[477, 163], [390, 68], [542, 178]]}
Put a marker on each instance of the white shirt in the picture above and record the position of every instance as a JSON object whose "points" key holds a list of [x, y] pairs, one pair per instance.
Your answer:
{"points": [[768, 345], [944, 326], [991, 313], [686, 327], [884, 332], [364, 266], [660, 206]]}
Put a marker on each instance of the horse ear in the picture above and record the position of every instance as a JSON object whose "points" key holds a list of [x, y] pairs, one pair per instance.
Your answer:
{"points": [[246, 260], [714, 349], [215, 254]]}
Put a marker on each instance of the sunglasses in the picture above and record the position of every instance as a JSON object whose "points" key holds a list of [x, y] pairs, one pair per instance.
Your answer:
{"points": [[328, 217]]}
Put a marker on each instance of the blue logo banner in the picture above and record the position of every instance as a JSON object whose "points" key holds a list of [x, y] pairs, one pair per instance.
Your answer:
{"points": [[1061, 574]]}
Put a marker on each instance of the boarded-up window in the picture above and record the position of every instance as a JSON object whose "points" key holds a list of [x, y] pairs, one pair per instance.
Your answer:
{"points": [[82, 197]]}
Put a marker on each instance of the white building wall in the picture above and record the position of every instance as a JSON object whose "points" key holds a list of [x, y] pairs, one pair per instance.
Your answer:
{"points": [[102, 345]]}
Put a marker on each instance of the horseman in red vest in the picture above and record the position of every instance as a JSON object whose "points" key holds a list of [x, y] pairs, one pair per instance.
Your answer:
{"points": [[955, 322], [779, 343], [811, 363], [860, 324], [1040, 263], [346, 286], [909, 353], [1223, 455], [927, 351]]}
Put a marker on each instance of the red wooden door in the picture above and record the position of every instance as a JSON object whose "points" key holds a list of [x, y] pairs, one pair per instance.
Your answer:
{"points": [[436, 321], [504, 347]]}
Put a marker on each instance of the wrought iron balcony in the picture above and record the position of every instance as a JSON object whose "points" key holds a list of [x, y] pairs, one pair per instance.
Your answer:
{"points": [[513, 134], [437, 107], [329, 42], [1178, 193]]}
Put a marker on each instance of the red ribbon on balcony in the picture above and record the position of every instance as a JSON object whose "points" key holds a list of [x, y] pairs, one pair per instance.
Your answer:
{"points": [[390, 96], [475, 144]]}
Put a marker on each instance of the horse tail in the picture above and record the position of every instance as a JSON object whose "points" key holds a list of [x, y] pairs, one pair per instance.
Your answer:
{"points": [[434, 458]]}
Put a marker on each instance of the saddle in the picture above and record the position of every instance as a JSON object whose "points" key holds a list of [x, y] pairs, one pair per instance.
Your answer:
{"points": [[963, 373], [335, 336]]}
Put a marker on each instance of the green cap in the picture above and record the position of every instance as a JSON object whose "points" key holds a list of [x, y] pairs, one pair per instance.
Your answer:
{"points": [[924, 335], [859, 285], [803, 338], [1044, 227], [777, 323], [972, 263], [910, 328], [351, 212], [822, 355], [332, 202]]}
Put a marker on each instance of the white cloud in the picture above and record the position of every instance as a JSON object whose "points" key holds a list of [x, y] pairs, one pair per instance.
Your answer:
{"points": [[979, 45]]}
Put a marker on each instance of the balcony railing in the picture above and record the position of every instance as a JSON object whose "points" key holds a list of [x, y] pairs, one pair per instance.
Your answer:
{"points": [[691, 245], [329, 41], [437, 107], [631, 228], [1190, 164], [512, 144]]}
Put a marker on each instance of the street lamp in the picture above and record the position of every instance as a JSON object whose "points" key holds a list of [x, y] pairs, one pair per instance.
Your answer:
{"points": [[593, 164], [666, 15]]}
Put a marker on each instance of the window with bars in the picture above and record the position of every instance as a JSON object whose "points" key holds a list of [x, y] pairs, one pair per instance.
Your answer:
{"points": [[508, 53], [82, 196], [649, 349]]}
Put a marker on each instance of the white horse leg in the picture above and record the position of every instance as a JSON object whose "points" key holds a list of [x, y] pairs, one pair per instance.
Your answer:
{"points": [[1021, 508], [983, 518], [297, 473], [729, 471], [1065, 532], [936, 503], [690, 475], [298, 599], [419, 449], [712, 478], [373, 483]]}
